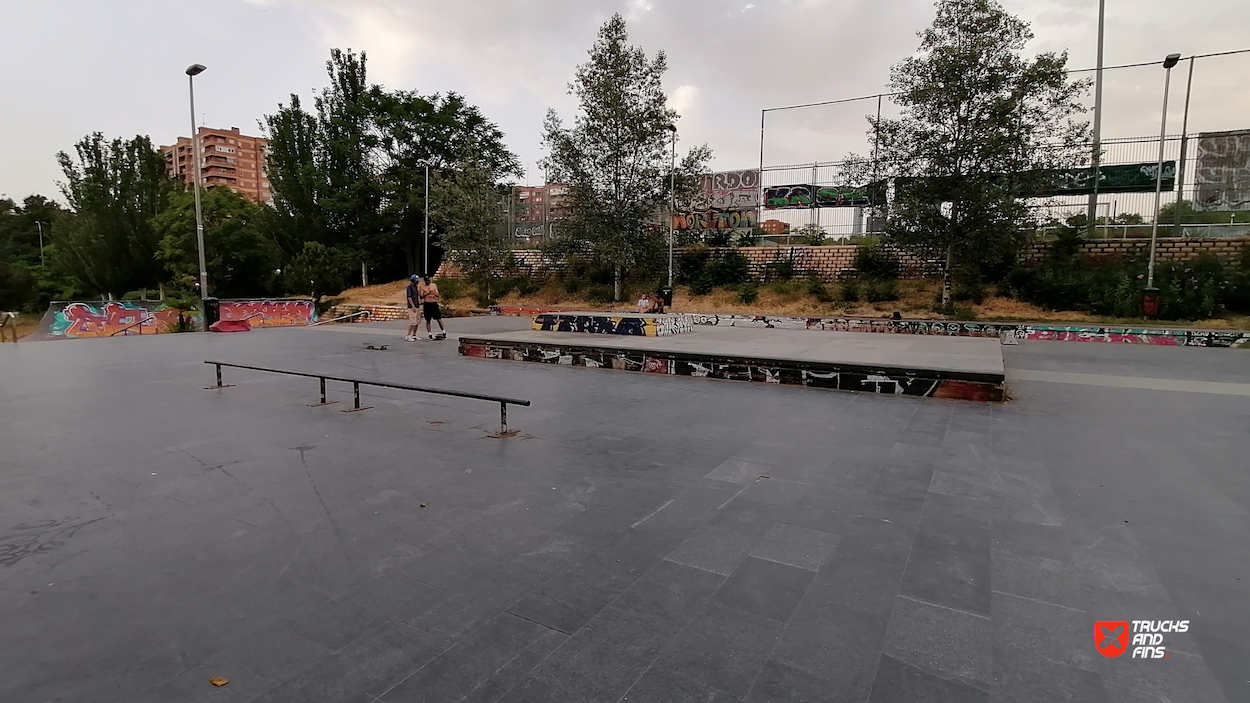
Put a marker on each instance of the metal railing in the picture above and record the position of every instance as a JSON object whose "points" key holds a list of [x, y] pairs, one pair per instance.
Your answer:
{"points": [[134, 324], [357, 383], [344, 317]]}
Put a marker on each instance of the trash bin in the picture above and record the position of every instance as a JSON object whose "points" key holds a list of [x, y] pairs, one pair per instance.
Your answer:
{"points": [[212, 311], [667, 294], [1150, 302]]}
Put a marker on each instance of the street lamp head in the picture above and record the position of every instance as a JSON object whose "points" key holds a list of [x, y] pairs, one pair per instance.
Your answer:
{"points": [[196, 69], [671, 127], [1171, 60]]}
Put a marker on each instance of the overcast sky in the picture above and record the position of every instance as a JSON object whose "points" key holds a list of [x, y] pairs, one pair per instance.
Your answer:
{"points": [[71, 67]]}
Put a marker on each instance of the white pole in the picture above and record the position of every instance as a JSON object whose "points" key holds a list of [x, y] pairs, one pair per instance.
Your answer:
{"points": [[672, 206], [425, 251], [1091, 212], [199, 214], [40, 226], [1163, 127]]}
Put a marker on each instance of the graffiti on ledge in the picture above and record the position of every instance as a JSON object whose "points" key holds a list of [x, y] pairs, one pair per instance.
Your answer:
{"points": [[105, 319], [1029, 331], [638, 326], [269, 313], [760, 371]]}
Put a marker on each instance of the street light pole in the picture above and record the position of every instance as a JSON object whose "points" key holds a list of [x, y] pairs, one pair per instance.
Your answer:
{"points": [[1150, 303], [40, 226], [425, 251], [672, 204], [1091, 213], [194, 70]]}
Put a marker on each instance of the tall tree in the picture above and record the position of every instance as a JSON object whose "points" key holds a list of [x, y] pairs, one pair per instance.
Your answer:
{"points": [[469, 209], [352, 174], [26, 282], [615, 158], [981, 126], [242, 259], [115, 188]]}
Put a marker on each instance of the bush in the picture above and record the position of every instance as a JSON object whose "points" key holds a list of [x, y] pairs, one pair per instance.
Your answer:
{"points": [[748, 293], [875, 262], [729, 271], [969, 291], [451, 288], [815, 287], [1188, 290], [600, 294], [782, 270], [692, 263], [702, 284], [788, 291], [881, 291], [750, 239], [848, 289]]}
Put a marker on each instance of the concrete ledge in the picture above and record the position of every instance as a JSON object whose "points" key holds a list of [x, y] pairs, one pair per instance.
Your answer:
{"points": [[965, 369]]}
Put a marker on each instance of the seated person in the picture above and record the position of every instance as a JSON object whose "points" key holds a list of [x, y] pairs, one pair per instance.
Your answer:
{"points": [[644, 303], [657, 304]]}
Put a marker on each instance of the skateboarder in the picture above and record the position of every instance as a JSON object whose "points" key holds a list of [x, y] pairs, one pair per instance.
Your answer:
{"points": [[414, 309], [428, 292]]}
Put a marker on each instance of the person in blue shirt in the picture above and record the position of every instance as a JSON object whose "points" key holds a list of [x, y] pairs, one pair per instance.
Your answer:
{"points": [[414, 310]]}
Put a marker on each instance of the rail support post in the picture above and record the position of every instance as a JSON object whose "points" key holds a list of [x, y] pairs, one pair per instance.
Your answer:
{"points": [[322, 379], [503, 418], [356, 392], [219, 383]]}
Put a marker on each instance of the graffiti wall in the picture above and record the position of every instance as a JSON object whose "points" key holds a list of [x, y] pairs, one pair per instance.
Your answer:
{"points": [[809, 196], [1222, 172], [831, 376], [1020, 330], [727, 200], [269, 313], [83, 320], [633, 325]]}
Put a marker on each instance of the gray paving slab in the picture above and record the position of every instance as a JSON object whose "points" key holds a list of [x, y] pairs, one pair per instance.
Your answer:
{"points": [[951, 354], [623, 545]]}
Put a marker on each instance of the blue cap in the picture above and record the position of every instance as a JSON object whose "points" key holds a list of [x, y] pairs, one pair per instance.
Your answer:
{"points": [[414, 277]]}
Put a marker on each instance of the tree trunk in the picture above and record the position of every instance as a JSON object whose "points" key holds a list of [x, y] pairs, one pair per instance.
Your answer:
{"points": [[616, 289], [946, 277]]}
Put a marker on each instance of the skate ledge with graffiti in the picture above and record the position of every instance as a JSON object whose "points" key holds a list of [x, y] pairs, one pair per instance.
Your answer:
{"points": [[1176, 337], [288, 312], [828, 375], [638, 325], [108, 318]]}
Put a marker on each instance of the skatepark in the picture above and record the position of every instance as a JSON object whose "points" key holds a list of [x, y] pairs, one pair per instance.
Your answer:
{"points": [[639, 536]]}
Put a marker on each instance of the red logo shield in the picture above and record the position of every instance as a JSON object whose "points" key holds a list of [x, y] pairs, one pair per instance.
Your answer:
{"points": [[1111, 637]]}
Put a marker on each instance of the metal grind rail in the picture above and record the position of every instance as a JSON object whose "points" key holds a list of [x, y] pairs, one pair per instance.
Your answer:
{"points": [[357, 383]]}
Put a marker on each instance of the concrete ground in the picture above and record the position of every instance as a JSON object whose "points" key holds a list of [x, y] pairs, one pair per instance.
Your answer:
{"points": [[646, 538]]}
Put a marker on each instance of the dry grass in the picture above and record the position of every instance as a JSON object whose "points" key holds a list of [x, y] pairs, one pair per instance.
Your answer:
{"points": [[917, 298], [24, 325]]}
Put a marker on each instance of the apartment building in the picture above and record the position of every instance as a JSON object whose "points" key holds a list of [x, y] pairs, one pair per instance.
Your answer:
{"points": [[228, 158]]}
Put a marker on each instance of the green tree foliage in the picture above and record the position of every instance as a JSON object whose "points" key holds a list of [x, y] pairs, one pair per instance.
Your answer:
{"points": [[468, 209], [115, 188], [616, 155], [319, 271], [242, 259], [352, 175], [980, 126], [25, 282]]}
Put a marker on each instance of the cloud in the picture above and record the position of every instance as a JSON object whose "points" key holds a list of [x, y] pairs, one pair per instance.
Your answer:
{"points": [[515, 60]]}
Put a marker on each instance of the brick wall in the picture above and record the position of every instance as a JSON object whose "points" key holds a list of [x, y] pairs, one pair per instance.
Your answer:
{"points": [[833, 261], [1166, 248]]}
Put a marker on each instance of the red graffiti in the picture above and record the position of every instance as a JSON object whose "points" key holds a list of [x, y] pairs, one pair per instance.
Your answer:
{"points": [[269, 313], [80, 320]]}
